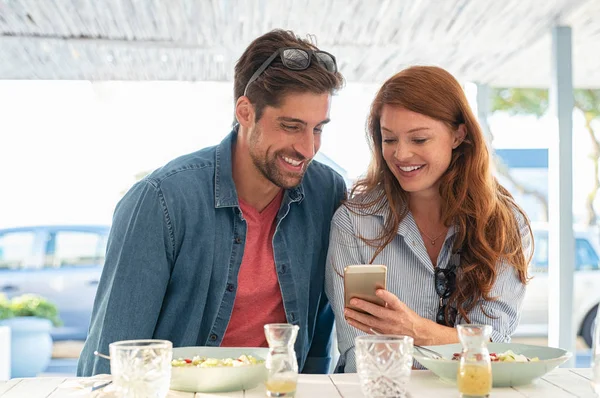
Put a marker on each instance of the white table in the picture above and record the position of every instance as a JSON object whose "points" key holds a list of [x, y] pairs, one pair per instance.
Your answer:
{"points": [[557, 384]]}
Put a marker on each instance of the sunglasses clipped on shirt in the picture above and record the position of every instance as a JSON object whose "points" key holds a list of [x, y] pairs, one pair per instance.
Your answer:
{"points": [[296, 59], [445, 285]]}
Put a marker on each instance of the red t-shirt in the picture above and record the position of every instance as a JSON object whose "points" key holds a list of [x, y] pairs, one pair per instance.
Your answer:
{"points": [[258, 298]]}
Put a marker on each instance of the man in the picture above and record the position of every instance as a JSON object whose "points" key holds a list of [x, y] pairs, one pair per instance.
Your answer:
{"points": [[209, 248]]}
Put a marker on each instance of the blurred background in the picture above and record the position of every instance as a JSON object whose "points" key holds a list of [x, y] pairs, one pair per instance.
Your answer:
{"points": [[96, 94]]}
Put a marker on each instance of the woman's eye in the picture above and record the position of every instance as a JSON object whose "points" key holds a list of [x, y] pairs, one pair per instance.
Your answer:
{"points": [[389, 140], [420, 140]]}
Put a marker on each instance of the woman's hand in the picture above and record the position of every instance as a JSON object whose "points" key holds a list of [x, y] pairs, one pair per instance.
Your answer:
{"points": [[395, 318]]}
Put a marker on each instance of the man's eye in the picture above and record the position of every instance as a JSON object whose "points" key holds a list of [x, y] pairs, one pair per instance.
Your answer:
{"points": [[289, 127]]}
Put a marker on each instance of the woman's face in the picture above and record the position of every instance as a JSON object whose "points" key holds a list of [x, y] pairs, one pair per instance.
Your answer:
{"points": [[417, 148]]}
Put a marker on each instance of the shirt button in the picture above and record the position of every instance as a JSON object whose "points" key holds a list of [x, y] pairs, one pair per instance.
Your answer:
{"points": [[414, 243], [292, 317], [213, 337], [230, 287], [282, 269], [238, 240]]}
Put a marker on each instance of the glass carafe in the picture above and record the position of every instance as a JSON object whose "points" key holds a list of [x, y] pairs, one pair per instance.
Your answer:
{"points": [[474, 377], [596, 356], [281, 363]]}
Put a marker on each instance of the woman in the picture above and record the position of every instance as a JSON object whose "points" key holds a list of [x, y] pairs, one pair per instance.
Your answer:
{"points": [[455, 243]]}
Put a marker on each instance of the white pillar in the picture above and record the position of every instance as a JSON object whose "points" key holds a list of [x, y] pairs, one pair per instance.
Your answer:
{"points": [[561, 331], [4, 353], [483, 111]]}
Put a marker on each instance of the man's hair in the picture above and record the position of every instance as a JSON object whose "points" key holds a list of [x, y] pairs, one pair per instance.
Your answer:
{"points": [[277, 81]]}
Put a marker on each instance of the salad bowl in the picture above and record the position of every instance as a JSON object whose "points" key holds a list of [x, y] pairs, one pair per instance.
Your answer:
{"points": [[530, 362], [222, 371]]}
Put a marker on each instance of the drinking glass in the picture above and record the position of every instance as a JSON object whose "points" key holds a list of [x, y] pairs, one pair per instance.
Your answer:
{"points": [[384, 363], [141, 368]]}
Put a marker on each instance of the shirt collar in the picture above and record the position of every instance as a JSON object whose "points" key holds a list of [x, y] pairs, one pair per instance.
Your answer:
{"points": [[408, 226]]}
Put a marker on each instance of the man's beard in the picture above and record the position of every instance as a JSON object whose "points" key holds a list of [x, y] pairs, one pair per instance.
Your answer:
{"points": [[267, 165]]}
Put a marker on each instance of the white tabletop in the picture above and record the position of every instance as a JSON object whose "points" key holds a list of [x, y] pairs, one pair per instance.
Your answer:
{"points": [[557, 384]]}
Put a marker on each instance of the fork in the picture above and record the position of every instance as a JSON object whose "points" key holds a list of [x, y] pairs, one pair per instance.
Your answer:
{"points": [[98, 354], [101, 385]]}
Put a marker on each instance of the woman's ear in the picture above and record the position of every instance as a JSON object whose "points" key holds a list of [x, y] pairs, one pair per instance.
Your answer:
{"points": [[244, 111], [459, 136]]}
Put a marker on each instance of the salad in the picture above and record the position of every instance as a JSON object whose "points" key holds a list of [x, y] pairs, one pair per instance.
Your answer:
{"points": [[507, 356], [202, 362]]}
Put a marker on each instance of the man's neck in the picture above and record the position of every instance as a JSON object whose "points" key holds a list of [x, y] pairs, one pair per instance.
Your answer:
{"points": [[251, 186]]}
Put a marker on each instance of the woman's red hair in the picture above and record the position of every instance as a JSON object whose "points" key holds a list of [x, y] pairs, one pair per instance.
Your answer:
{"points": [[472, 199]]}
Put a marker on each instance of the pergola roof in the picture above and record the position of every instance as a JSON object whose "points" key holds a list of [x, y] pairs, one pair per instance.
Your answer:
{"points": [[501, 43]]}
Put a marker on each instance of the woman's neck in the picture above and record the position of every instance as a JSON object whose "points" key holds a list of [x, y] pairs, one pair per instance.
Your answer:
{"points": [[426, 209]]}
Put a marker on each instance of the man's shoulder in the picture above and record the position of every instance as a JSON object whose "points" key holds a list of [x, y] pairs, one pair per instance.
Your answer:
{"points": [[321, 184], [191, 165], [319, 173]]}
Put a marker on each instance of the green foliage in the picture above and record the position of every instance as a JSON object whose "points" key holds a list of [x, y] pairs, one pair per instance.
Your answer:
{"points": [[29, 305], [533, 101], [5, 310], [588, 101], [520, 101]]}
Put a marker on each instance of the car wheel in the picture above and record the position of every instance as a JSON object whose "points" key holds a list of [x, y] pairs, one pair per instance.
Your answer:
{"points": [[587, 327]]}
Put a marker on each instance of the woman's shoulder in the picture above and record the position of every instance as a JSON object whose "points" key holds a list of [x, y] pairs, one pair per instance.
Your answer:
{"points": [[525, 232], [368, 203], [362, 210]]}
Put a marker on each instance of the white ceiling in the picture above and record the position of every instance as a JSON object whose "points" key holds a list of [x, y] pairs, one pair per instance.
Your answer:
{"points": [[500, 42]]}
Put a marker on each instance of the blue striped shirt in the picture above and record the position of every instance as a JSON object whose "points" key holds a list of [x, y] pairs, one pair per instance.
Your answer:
{"points": [[410, 275]]}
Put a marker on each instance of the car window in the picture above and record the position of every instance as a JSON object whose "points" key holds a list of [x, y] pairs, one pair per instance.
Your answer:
{"points": [[585, 255], [16, 249], [74, 248], [539, 262], [587, 258]]}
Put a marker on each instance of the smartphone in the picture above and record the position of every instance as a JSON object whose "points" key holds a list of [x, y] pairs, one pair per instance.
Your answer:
{"points": [[362, 281]]}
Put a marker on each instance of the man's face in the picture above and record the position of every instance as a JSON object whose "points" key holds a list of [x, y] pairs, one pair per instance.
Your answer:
{"points": [[285, 139]]}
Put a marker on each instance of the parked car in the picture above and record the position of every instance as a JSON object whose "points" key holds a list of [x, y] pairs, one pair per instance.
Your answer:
{"points": [[60, 263], [534, 313]]}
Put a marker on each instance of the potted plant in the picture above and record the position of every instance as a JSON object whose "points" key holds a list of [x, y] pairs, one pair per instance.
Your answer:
{"points": [[30, 319], [5, 311]]}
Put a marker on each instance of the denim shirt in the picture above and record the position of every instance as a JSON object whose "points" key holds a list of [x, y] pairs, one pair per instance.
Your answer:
{"points": [[175, 249]]}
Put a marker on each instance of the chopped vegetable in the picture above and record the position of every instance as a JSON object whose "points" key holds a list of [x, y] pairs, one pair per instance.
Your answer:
{"points": [[507, 356], [202, 362]]}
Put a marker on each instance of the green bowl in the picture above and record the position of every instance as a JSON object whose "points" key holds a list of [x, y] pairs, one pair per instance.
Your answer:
{"points": [[504, 374], [221, 379]]}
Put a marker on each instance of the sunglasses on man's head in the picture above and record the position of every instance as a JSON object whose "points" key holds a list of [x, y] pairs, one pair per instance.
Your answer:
{"points": [[296, 59], [445, 285]]}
